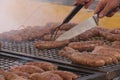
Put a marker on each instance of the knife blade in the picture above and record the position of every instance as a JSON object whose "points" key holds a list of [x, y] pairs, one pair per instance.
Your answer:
{"points": [[80, 28]]}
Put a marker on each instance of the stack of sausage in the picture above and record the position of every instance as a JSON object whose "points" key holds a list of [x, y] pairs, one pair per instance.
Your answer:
{"points": [[62, 30], [92, 53], [110, 35], [33, 32], [36, 71], [22, 35]]}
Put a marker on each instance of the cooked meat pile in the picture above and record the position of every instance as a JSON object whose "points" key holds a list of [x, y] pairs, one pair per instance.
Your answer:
{"points": [[94, 53], [36, 71], [80, 50], [100, 56], [111, 35], [33, 32]]}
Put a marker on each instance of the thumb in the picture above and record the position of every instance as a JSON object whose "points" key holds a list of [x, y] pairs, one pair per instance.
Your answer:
{"points": [[89, 3]]}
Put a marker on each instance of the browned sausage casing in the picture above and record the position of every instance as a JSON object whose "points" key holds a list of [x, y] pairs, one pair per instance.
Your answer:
{"points": [[87, 59], [27, 68], [2, 77], [111, 52], [45, 76], [116, 44], [85, 46], [12, 76], [110, 36], [108, 60], [83, 59], [47, 37], [22, 74], [44, 65], [90, 33], [66, 75], [68, 51], [115, 31], [50, 44], [65, 27]]}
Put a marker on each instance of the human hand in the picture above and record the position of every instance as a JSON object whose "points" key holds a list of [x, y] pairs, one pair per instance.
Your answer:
{"points": [[86, 3], [107, 7]]}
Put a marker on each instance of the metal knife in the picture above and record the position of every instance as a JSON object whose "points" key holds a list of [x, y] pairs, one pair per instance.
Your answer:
{"points": [[80, 28]]}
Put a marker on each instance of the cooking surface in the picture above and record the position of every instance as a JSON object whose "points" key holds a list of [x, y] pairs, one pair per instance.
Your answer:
{"points": [[8, 61], [34, 12], [27, 48]]}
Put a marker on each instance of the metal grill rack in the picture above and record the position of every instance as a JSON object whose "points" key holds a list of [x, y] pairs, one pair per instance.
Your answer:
{"points": [[9, 60], [27, 49]]}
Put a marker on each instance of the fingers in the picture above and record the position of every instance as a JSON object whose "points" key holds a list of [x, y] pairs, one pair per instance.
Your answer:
{"points": [[111, 14], [107, 8], [100, 6], [77, 2], [89, 3]]}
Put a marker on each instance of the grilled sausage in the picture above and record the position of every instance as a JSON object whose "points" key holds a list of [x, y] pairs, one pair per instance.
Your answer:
{"points": [[87, 59], [110, 36], [115, 31], [114, 54], [108, 60], [2, 77], [66, 75], [45, 76], [68, 26], [116, 44], [43, 65], [88, 34], [85, 46], [27, 69], [67, 52], [65, 27], [12, 76], [22, 74], [47, 37], [50, 44]]}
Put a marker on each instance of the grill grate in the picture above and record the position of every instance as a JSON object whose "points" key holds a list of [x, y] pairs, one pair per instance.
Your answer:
{"points": [[6, 62], [28, 48]]}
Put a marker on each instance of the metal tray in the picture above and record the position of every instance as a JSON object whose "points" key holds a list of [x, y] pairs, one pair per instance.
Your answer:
{"points": [[9, 60]]}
